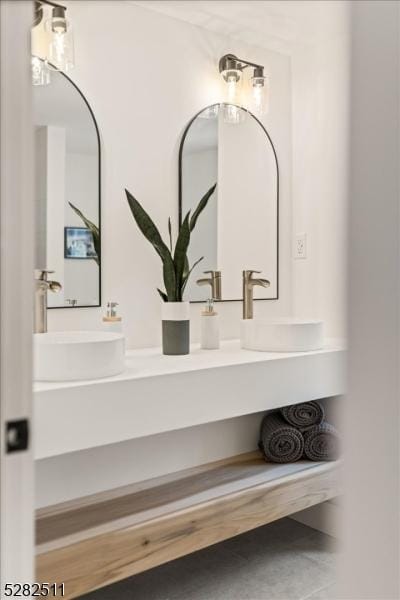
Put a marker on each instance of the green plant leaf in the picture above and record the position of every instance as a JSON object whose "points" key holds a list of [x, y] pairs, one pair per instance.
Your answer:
{"points": [[151, 233], [170, 279], [93, 229], [146, 226], [201, 206], [170, 233], [186, 278], [180, 253], [186, 268], [163, 295]]}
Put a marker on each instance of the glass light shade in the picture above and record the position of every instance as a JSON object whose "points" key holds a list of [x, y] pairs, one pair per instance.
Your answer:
{"points": [[40, 72], [233, 85], [60, 55], [231, 74], [259, 93], [233, 114], [211, 112]]}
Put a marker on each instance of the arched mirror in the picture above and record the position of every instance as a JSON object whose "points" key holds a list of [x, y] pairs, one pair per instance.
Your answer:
{"points": [[238, 230], [67, 150]]}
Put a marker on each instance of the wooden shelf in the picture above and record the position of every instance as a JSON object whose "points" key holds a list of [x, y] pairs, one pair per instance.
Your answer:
{"points": [[97, 540]]}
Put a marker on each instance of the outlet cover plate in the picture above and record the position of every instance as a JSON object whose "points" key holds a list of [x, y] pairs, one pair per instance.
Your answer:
{"points": [[300, 245]]}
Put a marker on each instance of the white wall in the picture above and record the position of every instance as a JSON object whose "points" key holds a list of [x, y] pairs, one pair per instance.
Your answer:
{"points": [[320, 97], [99, 469], [320, 162], [142, 110], [145, 76]]}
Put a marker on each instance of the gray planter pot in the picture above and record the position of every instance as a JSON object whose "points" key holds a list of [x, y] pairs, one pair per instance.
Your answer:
{"points": [[175, 328]]}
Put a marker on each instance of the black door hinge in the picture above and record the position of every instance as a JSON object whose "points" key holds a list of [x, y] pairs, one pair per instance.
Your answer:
{"points": [[17, 435]]}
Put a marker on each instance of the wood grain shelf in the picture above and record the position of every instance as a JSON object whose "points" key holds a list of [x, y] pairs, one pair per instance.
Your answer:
{"points": [[98, 540]]}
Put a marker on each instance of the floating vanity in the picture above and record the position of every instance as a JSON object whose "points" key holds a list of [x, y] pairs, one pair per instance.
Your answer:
{"points": [[93, 541], [151, 396]]}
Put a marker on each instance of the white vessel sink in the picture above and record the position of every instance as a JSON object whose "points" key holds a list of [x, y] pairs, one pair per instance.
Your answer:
{"points": [[76, 355], [281, 335]]}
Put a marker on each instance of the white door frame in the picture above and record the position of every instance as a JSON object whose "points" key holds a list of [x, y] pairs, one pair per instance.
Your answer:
{"points": [[16, 285]]}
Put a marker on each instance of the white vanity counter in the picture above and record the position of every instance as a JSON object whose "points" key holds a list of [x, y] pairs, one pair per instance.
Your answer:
{"points": [[159, 393]]}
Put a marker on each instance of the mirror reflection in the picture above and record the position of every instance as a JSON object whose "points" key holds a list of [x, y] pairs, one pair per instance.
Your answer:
{"points": [[239, 229], [67, 192]]}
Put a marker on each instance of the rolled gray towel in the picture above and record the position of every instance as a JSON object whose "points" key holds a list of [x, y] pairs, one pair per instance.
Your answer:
{"points": [[279, 442], [321, 442], [304, 415]]}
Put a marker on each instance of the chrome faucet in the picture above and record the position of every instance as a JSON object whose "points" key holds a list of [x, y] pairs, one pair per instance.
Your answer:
{"points": [[248, 284], [215, 281], [42, 285]]}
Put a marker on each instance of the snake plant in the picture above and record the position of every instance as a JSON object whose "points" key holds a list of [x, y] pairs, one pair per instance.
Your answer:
{"points": [[94, 230], [176, 269]]}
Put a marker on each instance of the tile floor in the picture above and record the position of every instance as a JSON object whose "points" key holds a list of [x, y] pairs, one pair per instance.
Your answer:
{"points": [[280, 561]]}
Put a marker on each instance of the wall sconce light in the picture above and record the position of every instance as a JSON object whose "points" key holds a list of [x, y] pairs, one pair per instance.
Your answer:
{"points": [[52, 42], [259, 102], [231, 68], [61, 47], [231, 71]]}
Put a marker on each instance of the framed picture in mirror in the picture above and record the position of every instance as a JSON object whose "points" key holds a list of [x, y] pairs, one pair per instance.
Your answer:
{"points": [[78, 243]]}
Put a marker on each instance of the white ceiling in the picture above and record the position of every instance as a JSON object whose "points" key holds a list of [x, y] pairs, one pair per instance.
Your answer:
{"points": [[280, 25]]}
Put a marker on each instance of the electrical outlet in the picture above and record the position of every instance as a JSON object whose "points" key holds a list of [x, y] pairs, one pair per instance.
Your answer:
{"points": [[300, 245]]}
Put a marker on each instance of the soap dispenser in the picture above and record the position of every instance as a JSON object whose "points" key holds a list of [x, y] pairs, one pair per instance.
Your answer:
{"points": [[111, 321], [209, 327]]}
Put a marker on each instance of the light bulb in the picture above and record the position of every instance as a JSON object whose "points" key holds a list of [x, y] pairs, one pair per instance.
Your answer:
{"points": [[233, 80], [232, 113], [40, 72], [60, 54], [259, 103], [231, 89]]}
